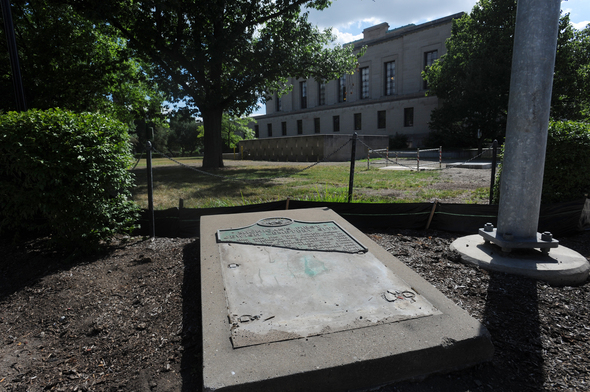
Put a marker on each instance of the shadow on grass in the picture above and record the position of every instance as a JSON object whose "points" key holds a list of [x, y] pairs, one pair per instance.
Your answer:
{"points": [[178, 176]]}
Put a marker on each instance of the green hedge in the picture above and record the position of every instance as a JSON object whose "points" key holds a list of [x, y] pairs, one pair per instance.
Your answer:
{"points": [[567, 163], [66, 173]]}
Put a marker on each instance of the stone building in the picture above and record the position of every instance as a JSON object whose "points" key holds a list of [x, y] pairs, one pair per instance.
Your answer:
{"points": [[384, 96]]}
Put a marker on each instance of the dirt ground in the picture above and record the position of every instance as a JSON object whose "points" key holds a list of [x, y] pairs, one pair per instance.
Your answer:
{"points": [[128, 319]]}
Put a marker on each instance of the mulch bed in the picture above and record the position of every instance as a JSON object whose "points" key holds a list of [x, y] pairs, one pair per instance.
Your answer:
{"points": [[128, 319]]}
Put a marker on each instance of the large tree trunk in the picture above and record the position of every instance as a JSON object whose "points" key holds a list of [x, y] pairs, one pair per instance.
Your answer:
{"points": [[212, 141]]}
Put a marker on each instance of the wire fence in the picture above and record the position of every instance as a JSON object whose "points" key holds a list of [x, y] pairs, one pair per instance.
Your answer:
{"points": [[406, 160], [409, 160]]}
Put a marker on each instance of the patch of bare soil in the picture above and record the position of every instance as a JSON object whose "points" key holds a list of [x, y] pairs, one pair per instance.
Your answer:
{"points": [[129, 319]]}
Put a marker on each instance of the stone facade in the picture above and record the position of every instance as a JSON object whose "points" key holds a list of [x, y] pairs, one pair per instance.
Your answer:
{"points": [[309, 148], [386, 94]]}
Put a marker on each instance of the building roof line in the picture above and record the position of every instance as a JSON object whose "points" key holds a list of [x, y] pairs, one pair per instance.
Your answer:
{"points": [[399, 32]]}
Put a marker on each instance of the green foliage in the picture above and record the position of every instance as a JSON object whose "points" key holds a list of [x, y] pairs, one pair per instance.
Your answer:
{"points": [[473, 78], [234, 129], [66, 173], [568, 155], [69, 62], [223, 57], [185, 136], [567, 161], [571, 82], [397, 142]]}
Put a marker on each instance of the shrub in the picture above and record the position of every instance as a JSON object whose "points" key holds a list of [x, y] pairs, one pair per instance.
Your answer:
{"points": [[398, 142], [567, 162], [65, 173], [566, 176]]}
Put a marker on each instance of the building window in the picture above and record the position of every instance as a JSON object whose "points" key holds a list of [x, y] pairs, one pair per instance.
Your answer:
{"points": [[336, 123], [284, 128], [389, 78], [279, 104], [300, 127], [408, 117], [269, 129], [381, 116], [316, 125], [256, 131], [322, 93], [342, 89], [364, 75], [303, 94], [429, 59], [357, 121]]}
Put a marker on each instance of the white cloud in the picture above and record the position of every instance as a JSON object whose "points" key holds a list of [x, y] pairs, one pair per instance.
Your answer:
{"points": [[581, 25], [343, 37], [343, 14]]}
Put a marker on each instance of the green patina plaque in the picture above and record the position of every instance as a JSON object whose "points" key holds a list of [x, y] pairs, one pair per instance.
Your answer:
{"points": [[291, 234]]}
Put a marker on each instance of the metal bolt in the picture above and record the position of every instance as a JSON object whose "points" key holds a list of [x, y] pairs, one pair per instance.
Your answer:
{"points": [[546, 236], [488, 227]]}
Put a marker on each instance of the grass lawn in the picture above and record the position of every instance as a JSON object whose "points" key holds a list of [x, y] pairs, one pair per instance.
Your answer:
{"points": [[247, 182]]}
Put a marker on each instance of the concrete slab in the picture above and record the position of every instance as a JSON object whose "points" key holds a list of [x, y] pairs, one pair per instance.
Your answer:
{"points": [[471, 165], [399, 167], [368, 351], [560, 267]]}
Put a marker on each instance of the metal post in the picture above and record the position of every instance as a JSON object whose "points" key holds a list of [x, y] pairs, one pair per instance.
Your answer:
{"points": [[494, 161], [368, 158], [17, 80], [417, 159], [440, 157], [150, 190], [352, 159], [535, 41]]}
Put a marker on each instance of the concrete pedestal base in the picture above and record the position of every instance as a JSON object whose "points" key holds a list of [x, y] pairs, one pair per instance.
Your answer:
{"points": [[560, 267], [334, 360]]}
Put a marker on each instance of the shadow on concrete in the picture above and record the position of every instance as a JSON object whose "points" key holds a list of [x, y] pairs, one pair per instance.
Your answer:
{"points": [[192, 337], [512, 318]]}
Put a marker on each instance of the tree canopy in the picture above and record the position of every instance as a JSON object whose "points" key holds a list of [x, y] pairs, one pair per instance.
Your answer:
{"points": [[70, 62], [223, 56], [473, 78]]}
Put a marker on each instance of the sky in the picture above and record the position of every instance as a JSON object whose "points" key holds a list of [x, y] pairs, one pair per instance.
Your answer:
{"points": [[348, 18]]}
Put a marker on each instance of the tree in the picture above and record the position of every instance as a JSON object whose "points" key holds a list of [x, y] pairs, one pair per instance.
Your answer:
{"points": [[69, 62], [223, 56], [234, 129], [473, 78], [570, 99], [185, 135]]}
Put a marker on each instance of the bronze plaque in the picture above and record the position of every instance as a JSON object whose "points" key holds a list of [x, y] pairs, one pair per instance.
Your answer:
{"points": [[291, 234]]}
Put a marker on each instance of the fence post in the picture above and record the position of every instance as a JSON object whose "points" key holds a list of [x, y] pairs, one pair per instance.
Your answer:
{"points": [[150, 184], [440, 157], [352, 159], [417, 159], [494, 158], [368, 158]]}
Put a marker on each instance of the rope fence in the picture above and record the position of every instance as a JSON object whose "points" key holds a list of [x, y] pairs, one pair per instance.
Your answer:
{"points": [[383, 153]]}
